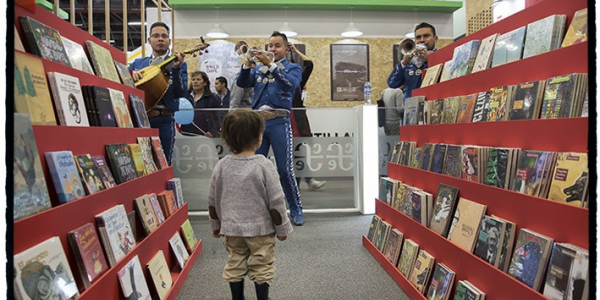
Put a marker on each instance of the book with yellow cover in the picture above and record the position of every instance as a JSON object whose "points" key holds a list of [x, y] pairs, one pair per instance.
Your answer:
{"points": [[138, 159], [432, 75], [31, 91], [422, 270], [577, 32], [466, 222], [570, 178], [160, 274]]}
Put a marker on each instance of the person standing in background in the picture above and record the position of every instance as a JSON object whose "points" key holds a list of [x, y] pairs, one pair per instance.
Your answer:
{"points": [[275, 82], [408, 71], [240, 97], [224, 96], [161, 116], [205, 122], [300, 114], [394, 110]]}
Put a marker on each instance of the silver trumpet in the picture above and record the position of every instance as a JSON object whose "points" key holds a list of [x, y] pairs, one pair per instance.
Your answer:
{"points": [[408, 47], [243, 50]]}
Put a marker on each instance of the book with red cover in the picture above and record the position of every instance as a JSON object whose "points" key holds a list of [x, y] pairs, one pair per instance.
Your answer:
{"points": [[168, 202], [88, 253]]}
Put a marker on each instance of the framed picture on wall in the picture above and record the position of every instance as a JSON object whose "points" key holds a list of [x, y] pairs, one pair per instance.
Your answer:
{"points": [[349, 71], [397, 54]]}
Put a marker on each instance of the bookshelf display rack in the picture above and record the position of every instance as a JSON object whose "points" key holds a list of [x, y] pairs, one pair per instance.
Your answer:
{"points": [[60, 219], [560, 221]]}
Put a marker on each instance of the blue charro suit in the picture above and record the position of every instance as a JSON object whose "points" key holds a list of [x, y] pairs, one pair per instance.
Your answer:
{"points": [[276, 89]]}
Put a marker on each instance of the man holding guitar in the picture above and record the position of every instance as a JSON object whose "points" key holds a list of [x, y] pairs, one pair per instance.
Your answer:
{"points": [[161, 115]]}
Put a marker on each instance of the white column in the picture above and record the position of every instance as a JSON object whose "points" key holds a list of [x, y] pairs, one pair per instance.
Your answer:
{"points": [[366, 171]]}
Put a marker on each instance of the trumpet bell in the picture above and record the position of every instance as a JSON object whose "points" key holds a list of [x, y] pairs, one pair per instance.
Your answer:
{"points": [[407, 46], [241, 48]]}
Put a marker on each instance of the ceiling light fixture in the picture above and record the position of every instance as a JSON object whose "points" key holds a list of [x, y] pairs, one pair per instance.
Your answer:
{"points": [[411, 33], [351, 30], [217, 31], [286, 28]]}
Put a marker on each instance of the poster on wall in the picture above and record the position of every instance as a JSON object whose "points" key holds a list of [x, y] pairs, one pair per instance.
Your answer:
{"points": [[349, 71], [220, 61]]}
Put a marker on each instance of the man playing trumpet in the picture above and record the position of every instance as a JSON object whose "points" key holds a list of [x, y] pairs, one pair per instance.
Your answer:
{"points": [[275, 82], [408, 71]]}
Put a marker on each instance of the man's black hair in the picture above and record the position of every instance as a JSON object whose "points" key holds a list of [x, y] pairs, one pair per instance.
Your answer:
{"points": [[159, 24], [222, 79], [425, 25], [282, 35]]}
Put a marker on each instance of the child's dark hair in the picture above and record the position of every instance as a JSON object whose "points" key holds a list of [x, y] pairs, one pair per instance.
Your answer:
{"points": [[241, 129]]}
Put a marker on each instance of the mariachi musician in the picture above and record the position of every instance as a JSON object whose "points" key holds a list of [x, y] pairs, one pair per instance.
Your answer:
{"points": [[161, 115]]}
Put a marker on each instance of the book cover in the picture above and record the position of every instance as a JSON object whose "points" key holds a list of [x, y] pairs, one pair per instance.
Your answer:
{"points": [[160, 274], [44, 41], [104, 171], [18, 43], [381, 236], [179, 249], [488, 240], [393, 246], [544, 35], [481, 106], [442, 281], [77, 56], [139, 111], [131, 217], [146, 147], [400, 197], [101, 99], [167, 201], [121, 162], [409, 253], [419, 208], [43, 271], [450, 111], [509, 47], [68, 99], [484, 54], [416, 158], [85, 244], [497, 108], [31, 91], [174, 184], [577, 32], [438, 161], [432, 75], [156, 206], [528, 176], [65, 176], [446, 71], [102, 61], [437, 109], [132, 281], [525, 104], [570, 178], [530, 257], [557, 95], [471, 156], [443, 209], [427, 155], [464, 58], [373, 227], [411, 110], [89, 173], [567, 273], [120, 109], [467, 217], [464, 291], [498, 167], [145, 211], [159, 155], [189, 238], [466, 106], [30, 192], [507, 242], [115, 232], [124, 74], [453, 164], [138, 159], [422, 270]]}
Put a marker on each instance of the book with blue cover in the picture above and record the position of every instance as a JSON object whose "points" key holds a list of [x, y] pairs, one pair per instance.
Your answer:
{"points": [[65, 175], [464, 58], [509, 47]]}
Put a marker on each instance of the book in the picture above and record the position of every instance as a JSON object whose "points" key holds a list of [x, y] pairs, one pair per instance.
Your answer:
{"points": [[570, 178], [85, 244], [473, 290], [453, 164], [499, 167], [381, 235], [466, 105], [509, 47], [409, 253], [558, 96], [467, 219], [160, 217], [30, 192], [422, 270], [44, 41], [439, 158], [145, 211], [89, 173], [464, 58], [530, 258], [65, 176], [484, 54], [446, 71], [146, 147], [44, 270], [432, 75], [488, 240], [568, 273], [507, 242], [68, 99], [18, 42], [121, 162], [104, 171], [442, 281], [189, 238], [387, 189], [139, 111], [393, 246], [412, 111], [31, 91], [132, 280], [131, 217], [174, 184], [526, 101], [437, 109], [124, 74], [464, 291], [497, 108], [427, 156], [102, 61], [577, 32], [472, 157], [120, 109], [528, 175], [159, 155], [450, 111], [544, 35], [77, 56], [138, 159], [179, 249], [443, 209], [115, 233], [168, 203], [373, 227], [160, 274], [100, 98], [481, 106]]}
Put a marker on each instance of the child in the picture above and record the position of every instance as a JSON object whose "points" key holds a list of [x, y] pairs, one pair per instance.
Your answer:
{"points": [[246, 205]]}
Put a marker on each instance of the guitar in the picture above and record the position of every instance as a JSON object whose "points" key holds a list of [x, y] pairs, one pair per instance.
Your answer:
{"points": [[155, 82]]}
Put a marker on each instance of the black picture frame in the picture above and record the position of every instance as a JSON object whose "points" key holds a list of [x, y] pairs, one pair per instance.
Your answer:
{"points": [[349, 71]]}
